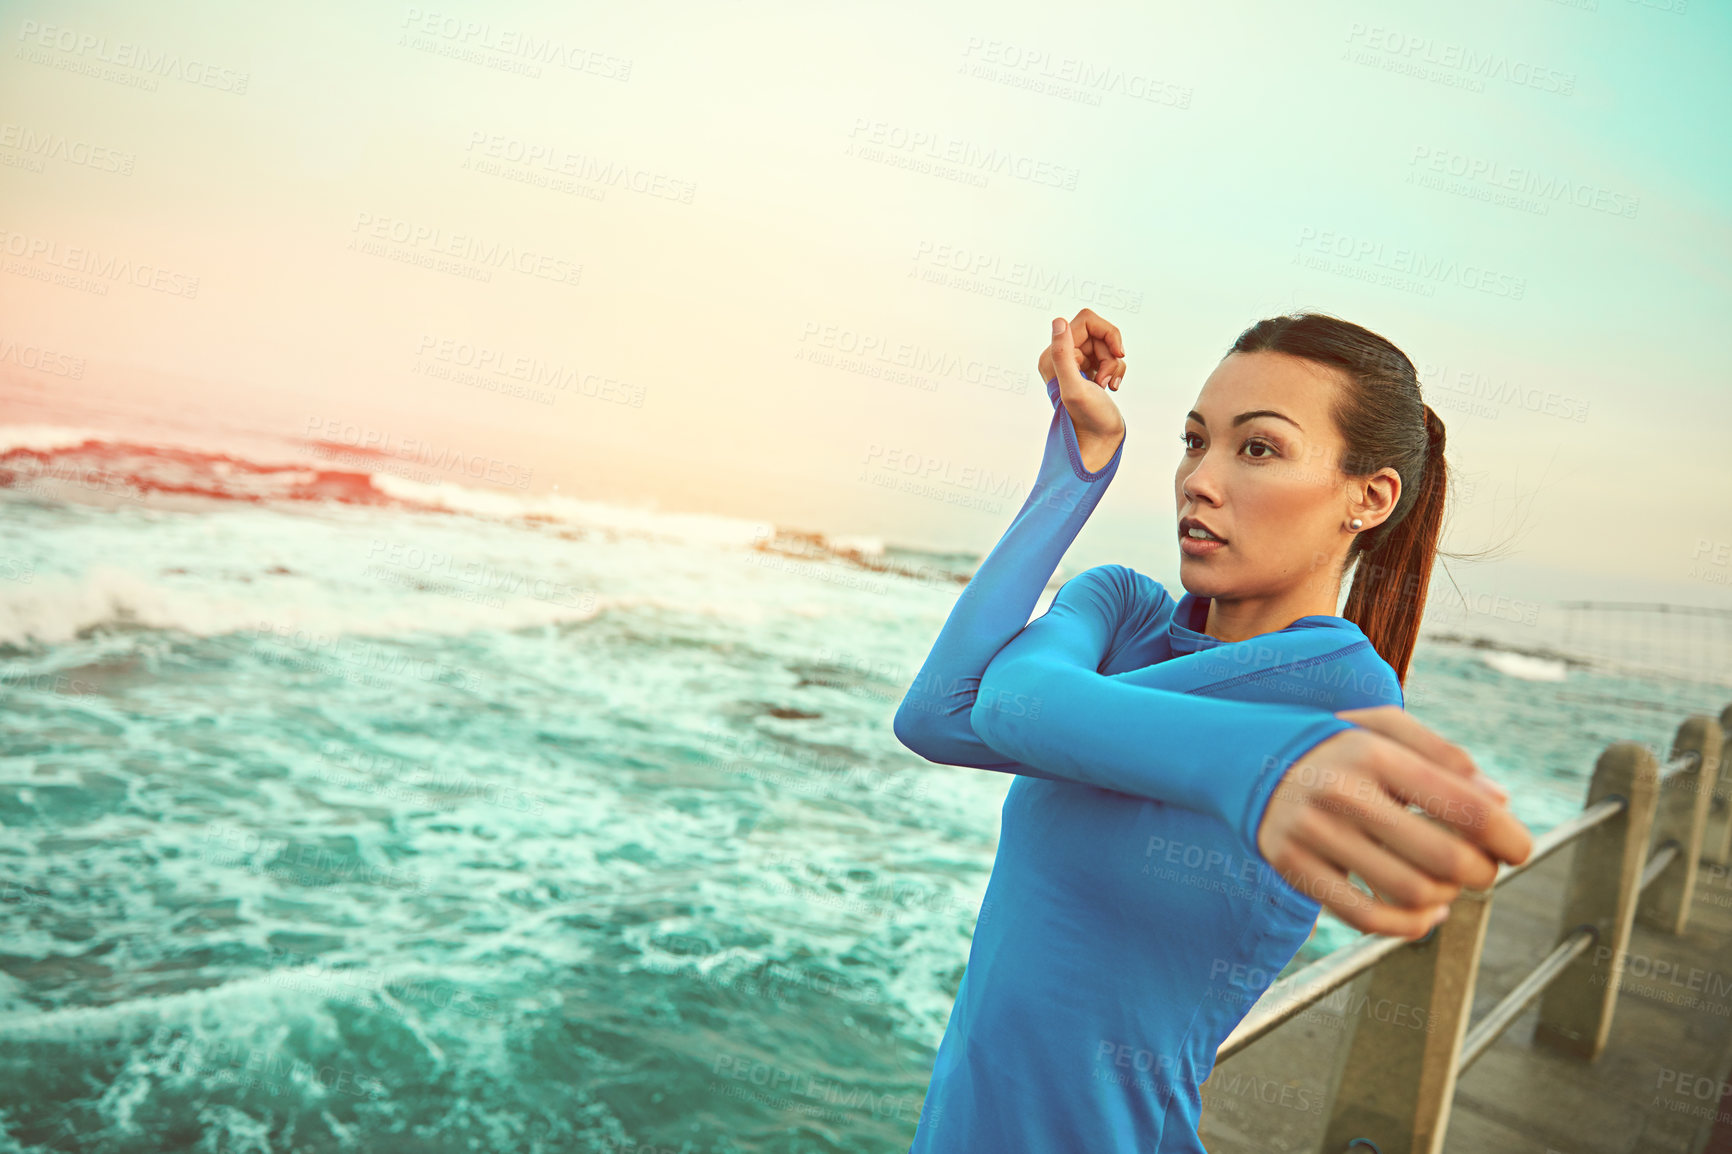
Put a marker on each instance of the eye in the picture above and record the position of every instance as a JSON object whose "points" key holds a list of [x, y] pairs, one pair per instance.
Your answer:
{"points": [[1186, 436], [1273, 451]]}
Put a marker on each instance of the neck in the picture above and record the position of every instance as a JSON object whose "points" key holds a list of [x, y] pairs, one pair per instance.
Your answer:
{"points": [[1240, 618]]}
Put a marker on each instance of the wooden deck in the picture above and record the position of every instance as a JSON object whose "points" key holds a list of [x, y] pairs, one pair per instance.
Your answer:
{"points": [[1657, 1088]]}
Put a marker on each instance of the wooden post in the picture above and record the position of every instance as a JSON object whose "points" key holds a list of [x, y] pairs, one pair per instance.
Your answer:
{"points": [[1605, 871], [1680, 816], [1717, 838], [1398, 1081]]}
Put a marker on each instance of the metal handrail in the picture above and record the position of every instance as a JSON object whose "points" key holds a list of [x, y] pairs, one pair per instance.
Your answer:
{"points": [[1498, 1018], [1290, 996], [1656, 864], [1562, 834]]}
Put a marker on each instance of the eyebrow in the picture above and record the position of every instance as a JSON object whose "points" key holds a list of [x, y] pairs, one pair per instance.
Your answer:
{"points": [[1246, 416]]}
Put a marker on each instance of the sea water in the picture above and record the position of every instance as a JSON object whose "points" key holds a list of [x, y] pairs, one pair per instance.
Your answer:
{"points": [[346, 812]]}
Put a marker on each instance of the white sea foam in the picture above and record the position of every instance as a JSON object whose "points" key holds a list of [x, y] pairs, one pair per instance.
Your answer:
{"points": [[694, 528], [1525, 667], [47, 438]]}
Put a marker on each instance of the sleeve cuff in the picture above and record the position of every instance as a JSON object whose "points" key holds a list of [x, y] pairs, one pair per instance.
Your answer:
{"points": [[1312, 735], [1072, 451]]}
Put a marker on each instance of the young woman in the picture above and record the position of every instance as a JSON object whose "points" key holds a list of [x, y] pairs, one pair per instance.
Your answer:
{"points": [[1196, 778]]}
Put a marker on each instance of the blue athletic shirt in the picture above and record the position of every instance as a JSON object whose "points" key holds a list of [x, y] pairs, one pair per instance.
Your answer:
{"points": [[1130, 921]]}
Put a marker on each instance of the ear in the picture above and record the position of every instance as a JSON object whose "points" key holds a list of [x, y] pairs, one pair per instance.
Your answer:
{"points": [[1376, 497]]}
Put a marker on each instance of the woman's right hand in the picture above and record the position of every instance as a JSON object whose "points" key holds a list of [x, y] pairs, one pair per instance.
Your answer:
{"points": [[1343, 807], [1089, 345]]}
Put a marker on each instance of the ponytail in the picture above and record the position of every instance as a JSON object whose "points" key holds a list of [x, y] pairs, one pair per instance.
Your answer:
{"points": [[1393, 573], [1385, 423]]}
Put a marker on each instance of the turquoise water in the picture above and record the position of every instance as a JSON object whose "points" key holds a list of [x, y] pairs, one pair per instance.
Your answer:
{"points": [[335, 827]]}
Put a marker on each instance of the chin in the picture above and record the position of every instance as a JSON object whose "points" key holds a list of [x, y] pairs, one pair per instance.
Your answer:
{"points": [[1196, 578]]}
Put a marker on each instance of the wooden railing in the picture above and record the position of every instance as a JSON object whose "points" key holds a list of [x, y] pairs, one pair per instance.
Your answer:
{"points": [[1637, 842]]}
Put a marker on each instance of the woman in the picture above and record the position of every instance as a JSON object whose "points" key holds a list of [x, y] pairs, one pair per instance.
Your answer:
{"points": [[1196, 778]]}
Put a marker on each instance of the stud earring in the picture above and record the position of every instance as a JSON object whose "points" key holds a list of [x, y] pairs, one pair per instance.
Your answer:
{"points": [[1357, 522]]}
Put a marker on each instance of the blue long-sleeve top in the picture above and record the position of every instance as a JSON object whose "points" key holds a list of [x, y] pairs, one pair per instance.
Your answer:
{"points": [[1130, 921]]}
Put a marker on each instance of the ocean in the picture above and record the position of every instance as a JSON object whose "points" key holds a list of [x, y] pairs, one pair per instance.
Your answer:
{"points": [[345, 810]]}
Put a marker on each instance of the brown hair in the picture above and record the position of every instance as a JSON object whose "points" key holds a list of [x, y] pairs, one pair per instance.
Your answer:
{"points": [[1385, 422]]}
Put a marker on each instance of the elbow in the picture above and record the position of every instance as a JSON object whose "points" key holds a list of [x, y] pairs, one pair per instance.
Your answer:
{"points": [[998, 704], [983, 720], [922, 728], [906, 726]]}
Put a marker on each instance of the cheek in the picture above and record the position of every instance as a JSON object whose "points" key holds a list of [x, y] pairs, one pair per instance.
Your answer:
{"points": [[1278, 511]]}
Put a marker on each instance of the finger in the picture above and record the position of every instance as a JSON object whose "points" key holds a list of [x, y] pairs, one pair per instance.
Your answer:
{"points": [[1089, 323], [1393, 878], [1433, 848], [1099, 363], [1393, 721], [1088, 373], [1330, 888], [1416, 780], [1066, 360], [1111, 370]]}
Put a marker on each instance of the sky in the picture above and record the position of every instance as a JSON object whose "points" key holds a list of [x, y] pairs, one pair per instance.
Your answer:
{"points": [[797, 262]]}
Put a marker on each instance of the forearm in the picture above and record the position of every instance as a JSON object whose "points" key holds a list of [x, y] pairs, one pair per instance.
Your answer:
{"points": [[933, 718], [1098, 451], [1220, 757]]}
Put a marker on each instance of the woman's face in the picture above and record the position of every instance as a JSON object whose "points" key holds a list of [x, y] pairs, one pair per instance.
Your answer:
{"points": [[1261, 469]]}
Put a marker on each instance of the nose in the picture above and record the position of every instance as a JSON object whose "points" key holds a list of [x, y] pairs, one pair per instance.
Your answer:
{"points": [[1198, 487]]}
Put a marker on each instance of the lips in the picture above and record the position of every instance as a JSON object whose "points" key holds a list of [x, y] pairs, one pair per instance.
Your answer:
{"points": [[1187, 523]]}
